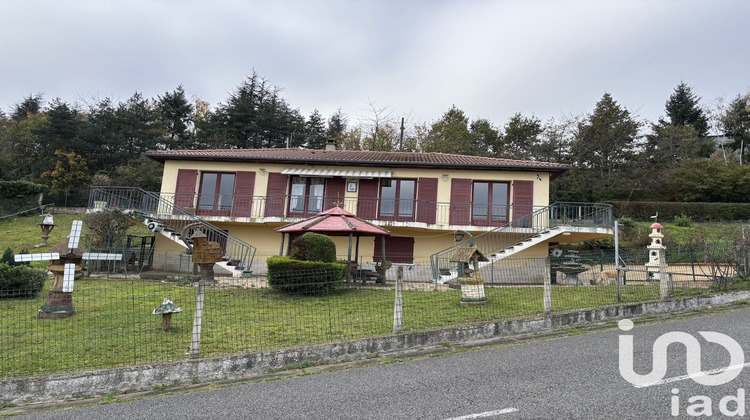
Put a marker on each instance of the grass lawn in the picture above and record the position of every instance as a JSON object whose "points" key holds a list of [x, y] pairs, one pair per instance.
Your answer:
{"points": [[113, 325]]}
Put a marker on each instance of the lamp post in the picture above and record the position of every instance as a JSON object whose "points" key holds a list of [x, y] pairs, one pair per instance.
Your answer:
{"points": [[458, 236]]}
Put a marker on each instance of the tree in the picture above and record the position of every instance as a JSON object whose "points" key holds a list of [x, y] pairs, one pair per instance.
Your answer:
{"points": [[735, 122], [177, 116], [137, 123], [521, 137], [486, 137], [603, 148], [30, 105], [683, 108], [315, 131], [71, 172], [451, 134], [336, 127], [255, 116]]}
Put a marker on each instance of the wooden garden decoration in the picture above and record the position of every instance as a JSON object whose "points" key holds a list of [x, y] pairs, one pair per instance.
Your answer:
{"points": [[205, 255], [472, 282], [66, 259], [47, 225]]}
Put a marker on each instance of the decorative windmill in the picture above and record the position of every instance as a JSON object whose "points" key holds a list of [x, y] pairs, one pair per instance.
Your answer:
{"points": [[66, 260]]}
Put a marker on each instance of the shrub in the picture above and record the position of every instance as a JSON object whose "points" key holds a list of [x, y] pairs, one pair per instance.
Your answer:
{"points": [[8, 258], [293, 276], [10, 189], [314, 247], [683, 221], [20, 282]]}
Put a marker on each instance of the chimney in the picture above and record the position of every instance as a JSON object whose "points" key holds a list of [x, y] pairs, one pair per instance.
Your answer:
{"points": [[330, 144]]}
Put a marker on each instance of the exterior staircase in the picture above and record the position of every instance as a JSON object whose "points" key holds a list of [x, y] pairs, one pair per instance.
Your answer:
{"points": [[523, 233], [173, 222]]}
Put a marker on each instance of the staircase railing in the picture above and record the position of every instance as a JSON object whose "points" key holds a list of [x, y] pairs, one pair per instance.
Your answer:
{"points": [[525, 227], [151, 205]]}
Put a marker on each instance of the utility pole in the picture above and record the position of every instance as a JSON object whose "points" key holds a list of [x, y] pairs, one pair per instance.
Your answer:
{"points": [[401, 142]]}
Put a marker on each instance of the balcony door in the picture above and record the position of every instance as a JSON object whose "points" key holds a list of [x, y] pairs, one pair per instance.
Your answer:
{"points": [[397, 199], [306, 198], [216, 194], [489, 203]]}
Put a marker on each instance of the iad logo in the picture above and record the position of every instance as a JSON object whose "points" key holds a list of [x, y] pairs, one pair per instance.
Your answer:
{"points": [[692, 353]]}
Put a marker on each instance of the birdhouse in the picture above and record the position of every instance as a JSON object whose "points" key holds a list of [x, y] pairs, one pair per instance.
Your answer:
{"points": [[472, 282], [205, 251]]}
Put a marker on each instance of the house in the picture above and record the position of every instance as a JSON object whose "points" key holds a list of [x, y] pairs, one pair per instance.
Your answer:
{"points": [[423, 199]]}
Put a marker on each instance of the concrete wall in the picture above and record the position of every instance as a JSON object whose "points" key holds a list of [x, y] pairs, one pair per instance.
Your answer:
{"points": [[141, 377]]}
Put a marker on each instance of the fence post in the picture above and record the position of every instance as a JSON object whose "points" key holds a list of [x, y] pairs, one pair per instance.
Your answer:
{"points": [[663, 276], [617, 262], [197, 321], [692, 261], [547, 289], [398, 304]]}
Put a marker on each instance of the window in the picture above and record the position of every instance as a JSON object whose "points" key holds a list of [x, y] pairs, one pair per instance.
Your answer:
{"points": [[306, 195], [216, 193], [397, 198], [490, 203]]}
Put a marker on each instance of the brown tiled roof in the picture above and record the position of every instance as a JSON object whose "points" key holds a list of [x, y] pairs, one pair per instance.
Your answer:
{"points": [[356, 157]]}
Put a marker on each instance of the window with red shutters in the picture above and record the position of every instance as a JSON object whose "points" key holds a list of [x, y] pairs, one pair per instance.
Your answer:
{"points": [[427, 200], [523, 201], [276, 194], [243, 194], [367, 200], [397, 249], [335, 191], [460, 207], [184, 193]]}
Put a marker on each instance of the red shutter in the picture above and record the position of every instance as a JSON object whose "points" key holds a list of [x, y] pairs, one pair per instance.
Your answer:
{"points": [[523, 200], [335, 190], [242, 203], [184, 193], [460, 201], [276, 194], [427, 200], [368, 198], [397, 250]]}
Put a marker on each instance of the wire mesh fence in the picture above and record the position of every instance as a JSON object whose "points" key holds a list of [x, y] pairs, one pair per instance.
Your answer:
{"points": [[114, 324]]}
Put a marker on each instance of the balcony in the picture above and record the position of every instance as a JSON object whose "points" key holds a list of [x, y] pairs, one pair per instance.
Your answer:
{"points": [[386, 212]]}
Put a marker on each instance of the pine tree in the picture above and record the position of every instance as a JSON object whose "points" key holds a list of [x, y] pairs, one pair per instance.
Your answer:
{"points": [[683, 108]]}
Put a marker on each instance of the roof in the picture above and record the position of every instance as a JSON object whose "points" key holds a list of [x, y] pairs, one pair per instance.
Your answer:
{"points": [[335, 221], [356, 158]]}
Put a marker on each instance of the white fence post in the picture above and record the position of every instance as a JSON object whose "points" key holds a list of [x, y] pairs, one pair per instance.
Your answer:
{"points": [[398, 304], [548, 288], [197, 321], [663, 276]]}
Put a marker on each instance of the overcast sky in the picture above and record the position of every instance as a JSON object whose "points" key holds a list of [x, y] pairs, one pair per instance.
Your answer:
{"points": [[489, 58]]}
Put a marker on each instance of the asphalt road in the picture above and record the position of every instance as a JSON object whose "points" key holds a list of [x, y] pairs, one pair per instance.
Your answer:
{"points": [[575, 377]]}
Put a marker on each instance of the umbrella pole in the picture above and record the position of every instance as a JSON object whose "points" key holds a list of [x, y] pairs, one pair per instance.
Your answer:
{"points": [[281, 250], [349, 259]]}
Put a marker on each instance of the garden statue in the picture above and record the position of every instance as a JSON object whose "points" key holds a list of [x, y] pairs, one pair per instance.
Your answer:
{"points": [[472, 282], [47, 225], [166, 309], [653, 266]]}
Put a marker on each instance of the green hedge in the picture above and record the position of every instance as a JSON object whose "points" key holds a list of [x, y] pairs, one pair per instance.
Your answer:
{"points": [[20, 282], [293, 276], [11, 189], [698, 212]]}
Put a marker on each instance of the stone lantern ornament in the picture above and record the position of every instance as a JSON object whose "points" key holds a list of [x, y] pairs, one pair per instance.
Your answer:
{"points": [[166, 309], [472, 282], [653, 266]]}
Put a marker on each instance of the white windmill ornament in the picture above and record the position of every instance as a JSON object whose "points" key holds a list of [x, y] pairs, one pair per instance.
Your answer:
{"points": [[65, 262]]}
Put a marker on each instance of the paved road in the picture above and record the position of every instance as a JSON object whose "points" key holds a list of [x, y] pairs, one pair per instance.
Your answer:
{"points": [[575, 377]]}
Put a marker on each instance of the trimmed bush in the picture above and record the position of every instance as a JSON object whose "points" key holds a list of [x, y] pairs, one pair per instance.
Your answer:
{"points": [[293, 276], [697, 212], [11, 189], [314, 247], [21, 282]]}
